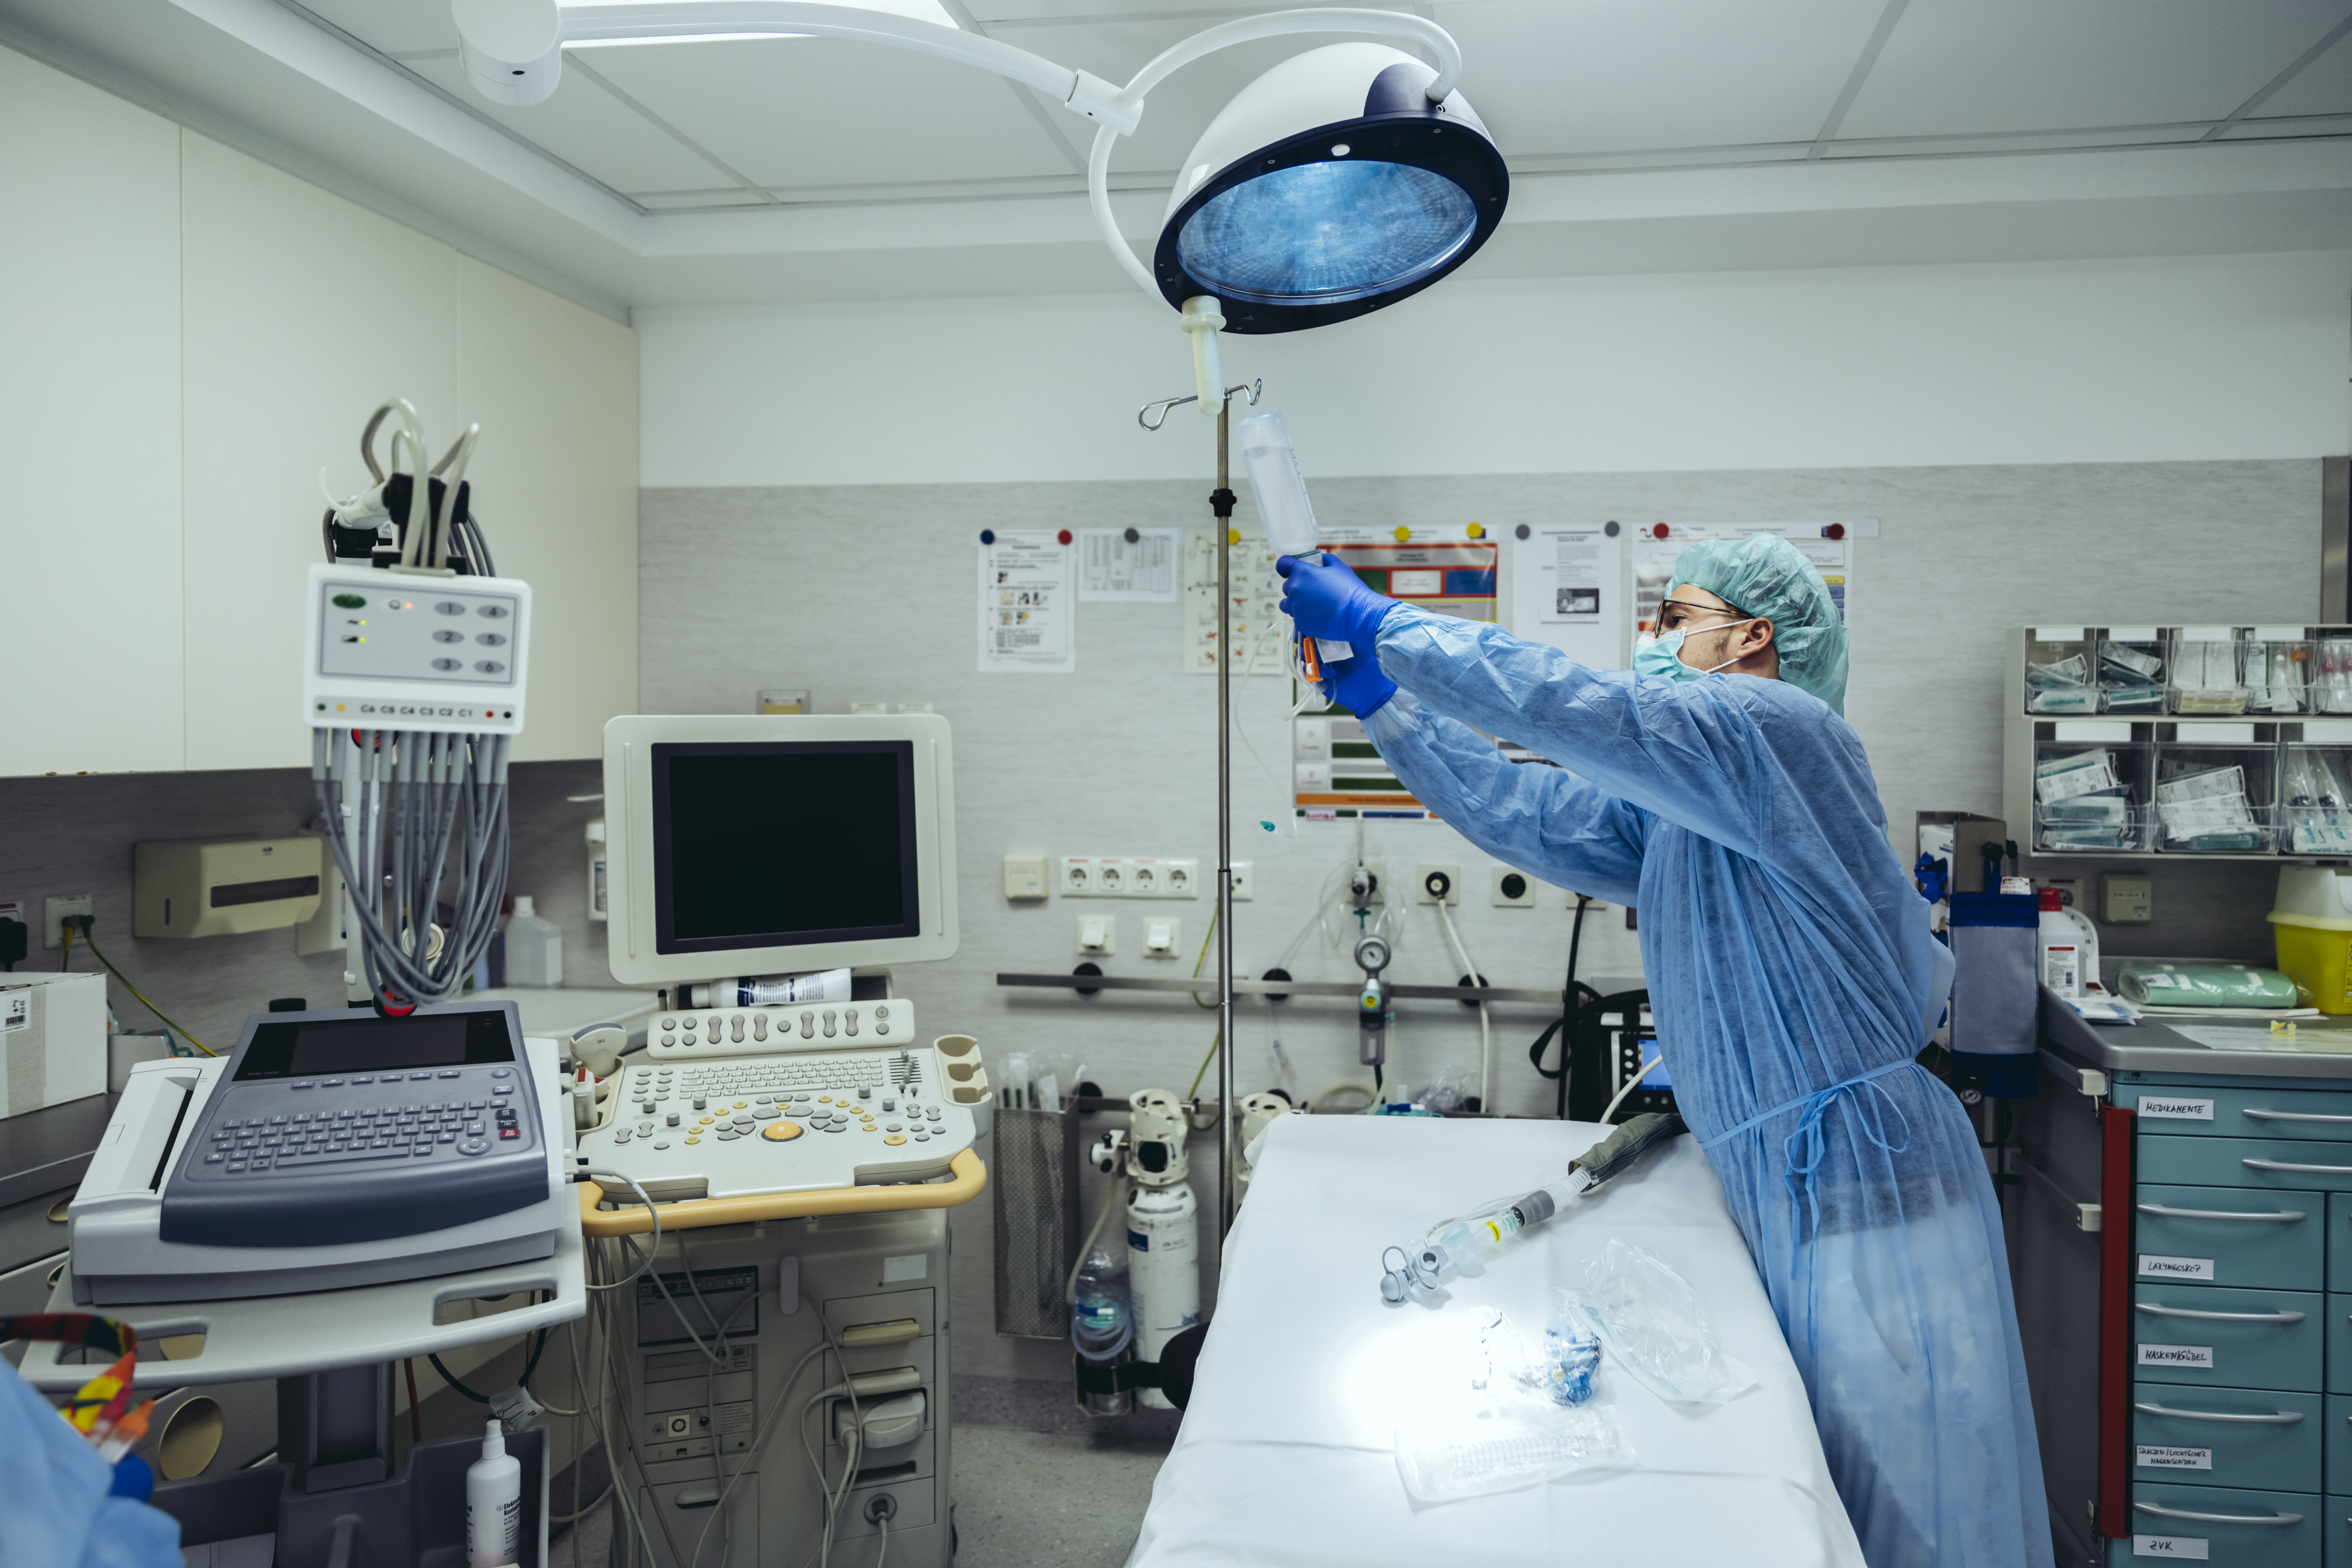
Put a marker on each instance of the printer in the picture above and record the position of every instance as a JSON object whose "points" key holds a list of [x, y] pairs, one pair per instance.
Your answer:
{"points": [[329, 1149]]}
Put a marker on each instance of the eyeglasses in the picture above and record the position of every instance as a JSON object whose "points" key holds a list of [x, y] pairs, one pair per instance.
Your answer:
{"points": [[1675, 615]]}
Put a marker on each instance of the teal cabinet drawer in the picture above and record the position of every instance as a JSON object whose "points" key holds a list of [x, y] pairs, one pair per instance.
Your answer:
{"points": [[2230, 1526], [2339, 1241], [2228, 1236], [2335, 1517], [2227, 1438], [2214, 1336], [2244, 1112], [2339, 1313], [2336, 1447], [2265, 1164]]}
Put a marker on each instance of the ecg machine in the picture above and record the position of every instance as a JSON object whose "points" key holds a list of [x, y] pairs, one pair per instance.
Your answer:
{"points": [[329, 1149]]}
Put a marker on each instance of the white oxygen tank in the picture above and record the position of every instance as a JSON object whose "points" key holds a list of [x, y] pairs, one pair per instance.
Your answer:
{"points": [[1163, 1271]]}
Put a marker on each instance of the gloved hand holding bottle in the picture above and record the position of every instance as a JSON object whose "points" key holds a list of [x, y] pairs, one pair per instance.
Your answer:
{"points": [[1288, 518]]}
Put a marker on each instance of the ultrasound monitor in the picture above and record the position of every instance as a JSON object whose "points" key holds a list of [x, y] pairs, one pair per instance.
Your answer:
{"points": [[777, 843]]}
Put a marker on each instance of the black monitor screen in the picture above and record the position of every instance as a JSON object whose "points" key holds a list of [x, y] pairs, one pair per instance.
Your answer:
{"points": [[321, 1047], [782, 843]]}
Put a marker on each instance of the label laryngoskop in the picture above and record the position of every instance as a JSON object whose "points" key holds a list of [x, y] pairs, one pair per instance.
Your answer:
{"points": [[2158, 1457], [2157, 1266]]}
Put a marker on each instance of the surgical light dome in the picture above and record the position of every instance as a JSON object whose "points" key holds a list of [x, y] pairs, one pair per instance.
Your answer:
{"points": [[1331, 186]]}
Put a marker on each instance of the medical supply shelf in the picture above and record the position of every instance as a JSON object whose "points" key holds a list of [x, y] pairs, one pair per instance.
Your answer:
{"points": [[2200, 760], [2182, 1249]]}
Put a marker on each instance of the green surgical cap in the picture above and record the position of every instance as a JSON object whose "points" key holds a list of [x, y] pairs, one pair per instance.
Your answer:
{"points": [[1764, 574]]}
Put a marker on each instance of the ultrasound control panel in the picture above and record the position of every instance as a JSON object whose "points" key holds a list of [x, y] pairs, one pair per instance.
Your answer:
{"points": [[343, 1125]]}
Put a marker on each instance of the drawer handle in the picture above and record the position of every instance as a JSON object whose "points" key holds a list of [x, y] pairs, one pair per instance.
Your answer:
{"points": [[2218, 1517], [2295, 1116], [2283, 1216], [2153, 1310], [2281, 1419], [2283, 1165]]}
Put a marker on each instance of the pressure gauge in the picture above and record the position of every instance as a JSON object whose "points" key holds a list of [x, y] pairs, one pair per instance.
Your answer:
{"points": [[1372, 953]]}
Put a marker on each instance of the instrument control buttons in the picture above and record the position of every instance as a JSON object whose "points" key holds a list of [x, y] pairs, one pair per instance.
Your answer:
{"points": [[780, 1132], [895, 1137], [474, 1146]]}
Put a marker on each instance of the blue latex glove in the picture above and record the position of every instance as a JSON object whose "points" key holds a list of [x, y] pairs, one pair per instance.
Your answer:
{"points": [[1357, 684], [1324, 599]]}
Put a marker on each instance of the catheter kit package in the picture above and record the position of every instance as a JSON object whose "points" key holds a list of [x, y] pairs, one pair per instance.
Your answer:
{"points": [[1650, 1320]]}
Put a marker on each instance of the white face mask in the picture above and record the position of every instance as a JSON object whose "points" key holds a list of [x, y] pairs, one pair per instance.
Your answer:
{"points": [[1664, 655]]}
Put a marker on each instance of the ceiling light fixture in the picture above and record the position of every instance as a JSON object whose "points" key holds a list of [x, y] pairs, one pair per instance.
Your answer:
{"points": [[1341, 181]]}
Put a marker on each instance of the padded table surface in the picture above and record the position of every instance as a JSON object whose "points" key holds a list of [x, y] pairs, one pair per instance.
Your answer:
{"points": [[1286, 1452]]}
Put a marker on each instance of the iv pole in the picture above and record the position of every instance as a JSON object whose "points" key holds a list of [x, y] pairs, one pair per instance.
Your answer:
{"points": [[1221, 503]]}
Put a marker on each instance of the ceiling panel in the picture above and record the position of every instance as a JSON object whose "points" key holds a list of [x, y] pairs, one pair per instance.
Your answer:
{"points": [[2323, 87], [1962, 66], [824, 111], [395, 27], [589, 129], [1605, 75]]}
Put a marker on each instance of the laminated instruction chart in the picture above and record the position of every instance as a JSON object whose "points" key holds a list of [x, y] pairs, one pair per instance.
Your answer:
{"points": [[1028, 592], [1336, 771]]}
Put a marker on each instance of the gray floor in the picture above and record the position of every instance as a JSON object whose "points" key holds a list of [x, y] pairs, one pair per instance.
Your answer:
{"points": [[1024, 1499]]}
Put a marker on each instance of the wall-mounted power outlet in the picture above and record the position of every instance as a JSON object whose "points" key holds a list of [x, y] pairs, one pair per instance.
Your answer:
{"points": [[1432, 882], [1078, 877], [1243, 883], [54, 913]]}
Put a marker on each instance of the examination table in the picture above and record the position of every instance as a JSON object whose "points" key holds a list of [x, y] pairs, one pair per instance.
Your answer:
{"points": [[1286, 1455]]}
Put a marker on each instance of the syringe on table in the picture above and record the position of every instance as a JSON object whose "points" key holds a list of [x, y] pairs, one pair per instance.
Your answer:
{"points": [[1450, 1245]]}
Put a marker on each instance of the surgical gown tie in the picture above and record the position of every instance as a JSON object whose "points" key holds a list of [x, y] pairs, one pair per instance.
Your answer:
{"points": [[1785, 950]]}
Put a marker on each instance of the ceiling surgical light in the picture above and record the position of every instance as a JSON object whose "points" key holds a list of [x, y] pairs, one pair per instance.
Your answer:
{"points": [[1330, 186], [1345, 179]]}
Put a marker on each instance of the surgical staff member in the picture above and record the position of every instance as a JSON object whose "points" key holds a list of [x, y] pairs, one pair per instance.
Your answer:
{"points": [[1718, 787]]}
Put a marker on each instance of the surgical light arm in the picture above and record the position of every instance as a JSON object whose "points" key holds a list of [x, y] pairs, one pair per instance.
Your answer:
{"points": [[513, 50]]}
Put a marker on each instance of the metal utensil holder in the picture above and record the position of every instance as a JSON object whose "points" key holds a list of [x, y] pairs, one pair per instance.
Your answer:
{"points": [[1036, 1196]]}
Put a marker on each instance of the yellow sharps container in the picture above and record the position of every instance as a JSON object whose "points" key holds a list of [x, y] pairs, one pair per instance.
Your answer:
{"points": [[2313, 928]]}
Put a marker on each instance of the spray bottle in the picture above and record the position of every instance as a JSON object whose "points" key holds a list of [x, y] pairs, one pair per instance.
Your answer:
{"points": [[493, 1504], [1285, 512]]}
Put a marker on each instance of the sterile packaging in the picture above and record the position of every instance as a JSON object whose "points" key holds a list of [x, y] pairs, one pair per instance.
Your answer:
{"points": [[1651, 1323], [1571, 1356], [1496, 1452], [2153, 983], [2317, 819], [1053, 1078]]}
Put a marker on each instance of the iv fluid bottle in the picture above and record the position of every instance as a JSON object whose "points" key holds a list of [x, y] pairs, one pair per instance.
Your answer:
{"points": [[1281, 494], [534, 947]]}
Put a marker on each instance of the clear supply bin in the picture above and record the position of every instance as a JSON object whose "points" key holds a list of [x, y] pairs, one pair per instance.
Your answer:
{"points": [[2315, 812], [2216, 800], [2130, 670], [2330, 673], [2059, 672], [2278, 670], [2091, 798], [2205, 669]]}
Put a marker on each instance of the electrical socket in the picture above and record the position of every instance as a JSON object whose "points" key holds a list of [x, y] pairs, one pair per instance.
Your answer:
{"points": [[1078, 877], [54, 913], [1241, 882], [1513, 889], [1421, 874]]}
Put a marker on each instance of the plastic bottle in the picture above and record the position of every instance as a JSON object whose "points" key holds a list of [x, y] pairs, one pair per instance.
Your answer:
{"points": [[774, 990], [2069, 958], [534, 947], [493, 1499], [1287, 516], [1101, 1321]]}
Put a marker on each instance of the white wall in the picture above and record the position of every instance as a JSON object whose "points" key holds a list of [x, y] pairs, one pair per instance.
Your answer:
{"points": [[2236, 356], [187, 337]]}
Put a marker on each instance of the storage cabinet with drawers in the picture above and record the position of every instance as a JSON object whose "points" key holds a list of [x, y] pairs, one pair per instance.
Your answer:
{"points": [[2210, 1196]]}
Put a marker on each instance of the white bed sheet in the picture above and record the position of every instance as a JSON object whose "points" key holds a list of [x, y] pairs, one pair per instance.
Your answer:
{"points": [[1287, 1453]]}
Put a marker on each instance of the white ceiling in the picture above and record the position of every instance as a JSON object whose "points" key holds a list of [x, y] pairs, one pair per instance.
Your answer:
{"points": [[737, 170]]}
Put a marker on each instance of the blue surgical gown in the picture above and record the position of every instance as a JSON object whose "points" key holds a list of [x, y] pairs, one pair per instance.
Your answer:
{"points": [[1787, 953]]}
